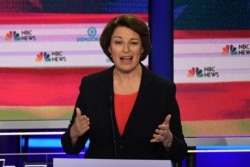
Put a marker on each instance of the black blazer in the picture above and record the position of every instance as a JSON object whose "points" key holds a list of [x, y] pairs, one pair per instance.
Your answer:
{"points": [[156, 99]]}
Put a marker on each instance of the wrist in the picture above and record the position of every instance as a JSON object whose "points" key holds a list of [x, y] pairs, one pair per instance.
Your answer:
{"points": [[168, 146], [73, 132]]}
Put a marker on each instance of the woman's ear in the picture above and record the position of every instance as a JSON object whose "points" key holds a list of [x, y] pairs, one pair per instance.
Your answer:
{"points": [[109, 51], [142, 50]]}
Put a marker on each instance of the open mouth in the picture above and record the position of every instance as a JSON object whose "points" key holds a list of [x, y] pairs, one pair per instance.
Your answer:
{"points": [[126, 58]]}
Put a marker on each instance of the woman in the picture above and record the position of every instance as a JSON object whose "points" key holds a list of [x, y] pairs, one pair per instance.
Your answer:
{"points": [[126, 111]]}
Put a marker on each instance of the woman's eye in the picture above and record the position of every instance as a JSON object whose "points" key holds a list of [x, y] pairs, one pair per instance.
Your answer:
{"points": [[118, 42], [134, 43]]}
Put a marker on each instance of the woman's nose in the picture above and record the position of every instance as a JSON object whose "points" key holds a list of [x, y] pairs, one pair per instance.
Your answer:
{"points": [[125, 48]]}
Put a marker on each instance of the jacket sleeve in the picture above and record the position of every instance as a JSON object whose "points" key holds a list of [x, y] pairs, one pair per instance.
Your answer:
{"points": [[68, 147], [178, 150], [65, 138]]}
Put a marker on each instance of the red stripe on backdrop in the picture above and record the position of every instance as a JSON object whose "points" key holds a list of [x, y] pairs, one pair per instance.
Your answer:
{"points": [[41, 86], [209, 34], [59, 87], [214, 101], [36, 18]]}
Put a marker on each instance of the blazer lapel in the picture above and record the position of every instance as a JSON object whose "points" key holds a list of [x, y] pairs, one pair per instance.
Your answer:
{"points": [[106, 86], [107, 90]]}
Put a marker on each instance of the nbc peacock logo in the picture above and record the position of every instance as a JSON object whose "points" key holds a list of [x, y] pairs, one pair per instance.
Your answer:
{"points": [[54, 56], [206, 72], [229, 50], [24, 35], [195, 71], [242, 49], [12, 36], [43, 57]]}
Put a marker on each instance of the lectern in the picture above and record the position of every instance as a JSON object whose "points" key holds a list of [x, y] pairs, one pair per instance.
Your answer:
{"points": [[77, 162]]}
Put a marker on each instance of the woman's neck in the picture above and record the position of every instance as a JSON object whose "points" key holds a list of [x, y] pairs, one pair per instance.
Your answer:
{"points": [[126, 83]]}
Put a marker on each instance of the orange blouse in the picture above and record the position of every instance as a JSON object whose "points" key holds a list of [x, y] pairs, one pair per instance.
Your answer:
{"points": [[123, 107]]}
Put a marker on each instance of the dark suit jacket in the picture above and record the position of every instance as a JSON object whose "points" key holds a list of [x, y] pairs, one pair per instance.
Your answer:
{"points": [[156, 99]]}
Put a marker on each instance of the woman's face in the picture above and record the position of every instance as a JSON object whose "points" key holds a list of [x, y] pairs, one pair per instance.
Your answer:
{"points": [[126, 49]]}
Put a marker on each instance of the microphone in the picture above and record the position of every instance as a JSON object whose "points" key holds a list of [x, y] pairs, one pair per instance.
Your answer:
{"points": [[111, 106]]}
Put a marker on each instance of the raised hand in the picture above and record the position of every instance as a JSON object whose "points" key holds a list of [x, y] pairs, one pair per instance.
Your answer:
{"points": [[163, 133], [80, 126]]}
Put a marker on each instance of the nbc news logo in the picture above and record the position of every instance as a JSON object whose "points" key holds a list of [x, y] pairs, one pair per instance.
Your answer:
{"points": [[25, 35], [55, 56], [242, 49], [206, 72]]}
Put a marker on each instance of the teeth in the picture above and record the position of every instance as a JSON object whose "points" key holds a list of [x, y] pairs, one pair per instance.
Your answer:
{"points": [[128, 57]]}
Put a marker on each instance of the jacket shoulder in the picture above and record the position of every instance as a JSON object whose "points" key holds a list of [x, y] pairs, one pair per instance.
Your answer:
{"points": [[101, 75]]}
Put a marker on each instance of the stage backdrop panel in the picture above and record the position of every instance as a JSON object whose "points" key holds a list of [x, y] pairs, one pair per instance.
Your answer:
{"points": [[212, 66], [46, 47]]}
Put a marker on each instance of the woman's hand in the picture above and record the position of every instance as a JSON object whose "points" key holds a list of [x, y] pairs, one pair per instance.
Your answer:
{"points": [[163, 133], [80, 126]]}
